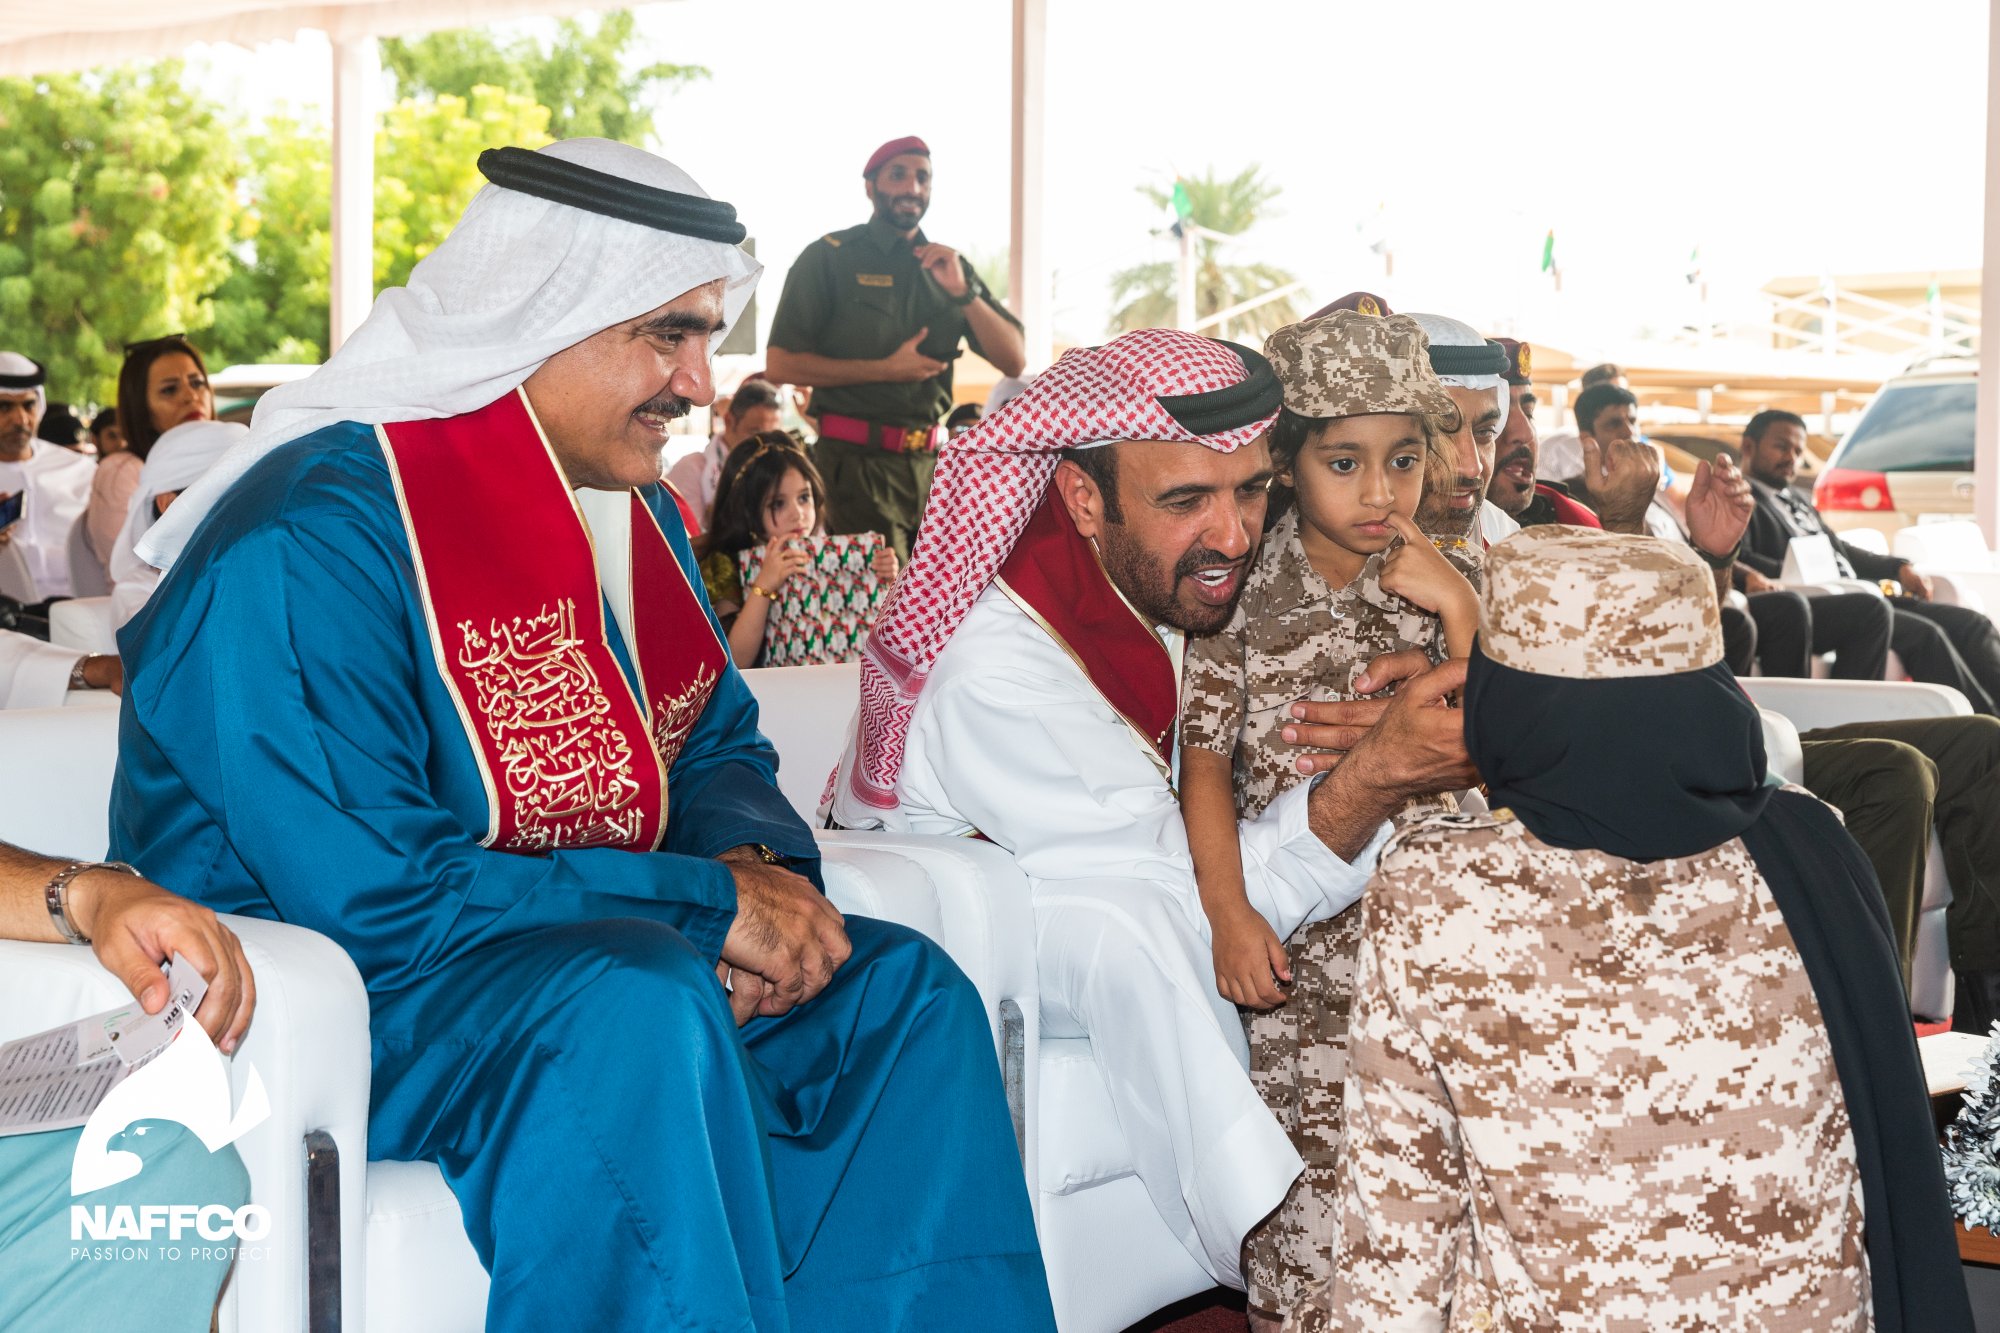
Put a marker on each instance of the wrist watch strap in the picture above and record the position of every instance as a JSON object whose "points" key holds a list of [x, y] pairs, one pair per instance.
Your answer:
{"points": [[56, 895]]}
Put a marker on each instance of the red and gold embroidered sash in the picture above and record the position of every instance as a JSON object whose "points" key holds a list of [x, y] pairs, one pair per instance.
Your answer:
{"points": [[1053, 574], [569, 754]]}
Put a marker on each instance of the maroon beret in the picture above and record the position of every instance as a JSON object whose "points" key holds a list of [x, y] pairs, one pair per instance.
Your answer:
{"points": [[1362, 303], [909, 143], [1519, 361]]}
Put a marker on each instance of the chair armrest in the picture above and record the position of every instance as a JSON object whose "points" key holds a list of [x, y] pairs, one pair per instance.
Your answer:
{"points": [[1977, 589], [979, 911], [1830, 703], [309, 1042], [969, 897]]}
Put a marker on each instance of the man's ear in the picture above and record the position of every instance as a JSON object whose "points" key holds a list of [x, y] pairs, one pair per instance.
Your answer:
{"points": [[1081, 497]]}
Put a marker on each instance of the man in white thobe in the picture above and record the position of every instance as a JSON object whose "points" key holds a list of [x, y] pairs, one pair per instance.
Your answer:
{"points": [[1023, 686], [53, 483]]}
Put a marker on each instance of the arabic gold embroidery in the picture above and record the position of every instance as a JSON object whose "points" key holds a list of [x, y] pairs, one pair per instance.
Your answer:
{"points": [[562, 756], [674, 717]]}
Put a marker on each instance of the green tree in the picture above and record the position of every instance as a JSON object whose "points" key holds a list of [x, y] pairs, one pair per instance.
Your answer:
{"points": [[274, 307], [1146, 294], [117, 198], [582, 76]]}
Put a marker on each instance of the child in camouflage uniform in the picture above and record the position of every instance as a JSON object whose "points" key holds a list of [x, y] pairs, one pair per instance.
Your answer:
{"points": [[1345, 575]]}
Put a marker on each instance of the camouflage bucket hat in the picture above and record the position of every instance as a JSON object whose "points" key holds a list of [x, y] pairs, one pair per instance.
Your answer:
{"points": [[1590, 605], [1347, 364]]}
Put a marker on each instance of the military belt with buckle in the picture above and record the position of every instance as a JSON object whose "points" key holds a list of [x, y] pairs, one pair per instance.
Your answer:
{"points": [[895, 439]]}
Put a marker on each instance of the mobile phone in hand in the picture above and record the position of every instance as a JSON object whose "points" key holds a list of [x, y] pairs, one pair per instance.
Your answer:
{"points": [[10, 509]]}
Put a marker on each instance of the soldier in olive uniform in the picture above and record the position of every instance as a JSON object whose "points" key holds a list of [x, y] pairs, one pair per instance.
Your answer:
{"points": [[871, 319]]}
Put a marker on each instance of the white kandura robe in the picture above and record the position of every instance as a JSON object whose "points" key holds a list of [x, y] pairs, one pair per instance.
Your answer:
{"points": [[57, 484], [1011, 739], [33, 674]]}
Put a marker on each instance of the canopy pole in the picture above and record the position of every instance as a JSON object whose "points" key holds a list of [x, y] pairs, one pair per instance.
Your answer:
{"points": [[1027, 263], [1986, 449], [357, 69]]}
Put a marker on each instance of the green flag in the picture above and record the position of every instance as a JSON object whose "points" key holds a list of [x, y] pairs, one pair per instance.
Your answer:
{"points": [[1183, 206], [1549, 251]]}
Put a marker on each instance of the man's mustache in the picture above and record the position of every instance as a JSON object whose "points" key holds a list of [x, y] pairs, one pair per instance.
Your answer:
{"points": [[1204, 558], [670, 406], [1520, 454]]}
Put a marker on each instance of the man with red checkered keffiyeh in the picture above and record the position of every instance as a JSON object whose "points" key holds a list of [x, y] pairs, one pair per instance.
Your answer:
{"points": [[1023, 686]]}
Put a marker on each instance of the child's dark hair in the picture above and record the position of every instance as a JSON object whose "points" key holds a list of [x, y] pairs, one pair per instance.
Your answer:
{"points": [[750, 474], [1290, 434]]}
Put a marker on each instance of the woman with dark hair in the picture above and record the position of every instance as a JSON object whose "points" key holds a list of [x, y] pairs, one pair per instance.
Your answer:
{"points": [[769, 495], [162, 384]]}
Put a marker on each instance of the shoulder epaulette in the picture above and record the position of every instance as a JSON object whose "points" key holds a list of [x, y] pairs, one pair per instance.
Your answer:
{"points": [[831, 240], [1447, 825]]}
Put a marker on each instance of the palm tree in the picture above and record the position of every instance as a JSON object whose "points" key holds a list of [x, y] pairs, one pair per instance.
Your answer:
{"points": [[1146, 293]]}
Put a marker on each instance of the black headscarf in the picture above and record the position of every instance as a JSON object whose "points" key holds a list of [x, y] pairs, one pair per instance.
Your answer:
{"points": [[1643, 767], [1650, 767]]}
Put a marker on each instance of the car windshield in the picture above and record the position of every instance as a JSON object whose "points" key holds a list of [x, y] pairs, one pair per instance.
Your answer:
{"points": [[1914, 428]]}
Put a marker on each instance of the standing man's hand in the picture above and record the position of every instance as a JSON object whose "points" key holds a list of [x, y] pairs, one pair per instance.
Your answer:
{"points": [[134, 925], [906, 365], [104, 671], [1416, 748], [785, 932], [1915, 582], [1719, 505], [944, 266], [1622, 478]]}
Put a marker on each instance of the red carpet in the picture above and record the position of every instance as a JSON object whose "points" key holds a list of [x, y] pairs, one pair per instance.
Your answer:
{"points": [[1217, 1311]]}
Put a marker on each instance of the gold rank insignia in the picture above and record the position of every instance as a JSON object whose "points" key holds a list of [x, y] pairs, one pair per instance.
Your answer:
{"points": [[1527, 370], [831, 240], [876, 279], [1367, 306]]}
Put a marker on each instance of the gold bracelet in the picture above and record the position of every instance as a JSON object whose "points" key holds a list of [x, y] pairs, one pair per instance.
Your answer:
{"points": [[758, 588]]}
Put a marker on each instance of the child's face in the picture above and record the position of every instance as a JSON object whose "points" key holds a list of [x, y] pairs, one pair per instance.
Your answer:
{"points": [[1355, 473], [789, 510]]}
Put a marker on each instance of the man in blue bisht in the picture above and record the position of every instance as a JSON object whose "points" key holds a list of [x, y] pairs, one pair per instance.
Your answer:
{"points": [[430, 659]]}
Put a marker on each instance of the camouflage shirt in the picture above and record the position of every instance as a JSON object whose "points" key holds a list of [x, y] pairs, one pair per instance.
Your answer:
{"points": [[1586, 1092], [1292, 637]]}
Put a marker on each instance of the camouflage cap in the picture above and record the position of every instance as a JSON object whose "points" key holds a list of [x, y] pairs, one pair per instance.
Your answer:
{"points": [[1591, 605], [1347, 364]]}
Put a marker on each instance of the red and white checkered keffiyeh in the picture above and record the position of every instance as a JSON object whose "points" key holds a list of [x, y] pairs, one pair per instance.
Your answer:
{"points": [[989, 481]]}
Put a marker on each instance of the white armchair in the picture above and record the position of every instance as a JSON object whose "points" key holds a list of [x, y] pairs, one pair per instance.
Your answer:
{"points": [[1809, 704], [83, 623]]}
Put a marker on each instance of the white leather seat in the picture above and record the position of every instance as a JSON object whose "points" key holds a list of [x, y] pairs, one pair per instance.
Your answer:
{"points": [[83, 623], [1809, 704]]}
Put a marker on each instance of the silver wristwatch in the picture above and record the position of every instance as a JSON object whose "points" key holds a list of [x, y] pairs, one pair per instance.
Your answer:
{"points": [[76, 680], [56, 895]]}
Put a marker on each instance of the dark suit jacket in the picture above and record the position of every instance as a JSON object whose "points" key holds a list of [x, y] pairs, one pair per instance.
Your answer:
{"points": [[1769, 535]]}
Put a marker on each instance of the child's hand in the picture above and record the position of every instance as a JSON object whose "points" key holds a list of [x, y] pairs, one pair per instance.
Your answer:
{"points": [[783, 557], [1247, 954], [1418, 573], [883, 563]]}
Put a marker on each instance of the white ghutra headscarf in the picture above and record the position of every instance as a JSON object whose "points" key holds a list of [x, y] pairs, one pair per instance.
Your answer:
{"points": [[519, 279]]}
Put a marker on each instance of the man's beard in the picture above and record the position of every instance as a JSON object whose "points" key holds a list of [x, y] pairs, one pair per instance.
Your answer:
{"points": [[1436, 516], [15, 443], [885, 211], [1136, 574]]}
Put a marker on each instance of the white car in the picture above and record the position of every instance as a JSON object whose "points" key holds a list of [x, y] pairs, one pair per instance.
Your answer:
{"points": [[1909, 457]]}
